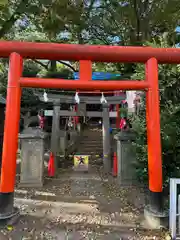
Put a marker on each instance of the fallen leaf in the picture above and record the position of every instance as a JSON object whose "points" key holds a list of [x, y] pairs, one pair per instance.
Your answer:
{"points": [[9, 228]]}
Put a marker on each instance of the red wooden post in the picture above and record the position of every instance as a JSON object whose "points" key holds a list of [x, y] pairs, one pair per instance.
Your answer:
{"points": [[154, 135], [10, 144], [85, 70], [115, 167]]}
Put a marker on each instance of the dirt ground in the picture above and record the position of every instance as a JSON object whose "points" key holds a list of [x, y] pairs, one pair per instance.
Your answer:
{"points": [[77, 206]]}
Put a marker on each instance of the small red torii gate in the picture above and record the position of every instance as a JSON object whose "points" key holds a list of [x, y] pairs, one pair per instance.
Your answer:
{"points": [[17, 51]]}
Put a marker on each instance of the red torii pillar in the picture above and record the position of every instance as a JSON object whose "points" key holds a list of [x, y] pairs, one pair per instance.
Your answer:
{"points": [[10, 143], [154, 137]]}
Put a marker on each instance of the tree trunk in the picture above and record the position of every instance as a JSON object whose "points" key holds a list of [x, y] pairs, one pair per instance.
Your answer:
{"points": [[53, 66]]}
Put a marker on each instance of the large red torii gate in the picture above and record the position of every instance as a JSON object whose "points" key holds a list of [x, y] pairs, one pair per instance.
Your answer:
{"points": [[17, 51]]}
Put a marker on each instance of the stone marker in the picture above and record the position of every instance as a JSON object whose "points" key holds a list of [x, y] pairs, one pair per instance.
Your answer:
{"points": [[32, 157], [126, 158]]}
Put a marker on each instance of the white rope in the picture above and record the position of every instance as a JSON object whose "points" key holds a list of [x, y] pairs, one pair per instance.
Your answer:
{"points": [[45, 96], [103, 99], [77, 99]]}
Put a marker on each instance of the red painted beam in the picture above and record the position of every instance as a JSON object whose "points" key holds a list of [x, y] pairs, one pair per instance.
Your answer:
{"points": [[94, 53], [83, 85]]}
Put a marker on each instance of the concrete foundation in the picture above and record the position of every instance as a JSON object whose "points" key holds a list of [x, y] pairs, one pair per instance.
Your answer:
{"points": [[155, 220]]}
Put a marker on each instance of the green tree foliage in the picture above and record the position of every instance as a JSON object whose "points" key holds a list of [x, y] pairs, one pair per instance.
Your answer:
{"points": [[16, 10], [169, 85], [31, 69], [92, 21], [29, 99], [110, 22], [136, 21], [3, 76], [130, 22]]}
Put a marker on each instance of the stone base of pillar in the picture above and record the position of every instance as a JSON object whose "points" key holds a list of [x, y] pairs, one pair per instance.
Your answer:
{"points": [[7, 209], [155, 220], [155, 216]]}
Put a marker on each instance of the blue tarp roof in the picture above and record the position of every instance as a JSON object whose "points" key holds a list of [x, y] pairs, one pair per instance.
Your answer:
{"points": [[99, 75]]}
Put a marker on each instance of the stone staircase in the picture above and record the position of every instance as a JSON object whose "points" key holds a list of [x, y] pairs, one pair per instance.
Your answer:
{"points": [[91, 143]]}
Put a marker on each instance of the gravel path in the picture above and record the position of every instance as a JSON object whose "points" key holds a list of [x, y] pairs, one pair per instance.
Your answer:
{"points": [[79, 206]]}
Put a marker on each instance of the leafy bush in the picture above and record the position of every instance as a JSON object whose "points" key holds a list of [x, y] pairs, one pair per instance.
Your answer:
{"points": [[169, 85]]}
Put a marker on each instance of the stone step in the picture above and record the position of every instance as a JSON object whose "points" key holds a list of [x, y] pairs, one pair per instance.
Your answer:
{"points": [[92, 154], [66, 212], [94, 142], [90, 145], [51, 196], [92, 133], [90, 151], [92, 139], [89, 148], [54, 219]]}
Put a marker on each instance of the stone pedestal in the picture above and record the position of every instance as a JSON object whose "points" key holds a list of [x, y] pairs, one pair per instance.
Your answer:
{"points": [[32, 157], [125, 158]]}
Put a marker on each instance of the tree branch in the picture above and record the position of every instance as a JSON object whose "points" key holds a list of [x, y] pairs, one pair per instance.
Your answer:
{"points": [[42, 64], [68, 65]]}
